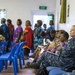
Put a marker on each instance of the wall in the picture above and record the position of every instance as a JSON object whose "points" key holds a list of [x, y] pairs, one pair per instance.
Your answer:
{"points": [[57, 12], [70, 19], [24, 9]]}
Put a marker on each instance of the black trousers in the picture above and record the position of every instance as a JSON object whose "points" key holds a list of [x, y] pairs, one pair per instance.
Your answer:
{"points": [[26, 51]]}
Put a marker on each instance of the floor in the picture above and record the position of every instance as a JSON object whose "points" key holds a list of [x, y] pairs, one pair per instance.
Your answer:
{"points": [[24, 71]]}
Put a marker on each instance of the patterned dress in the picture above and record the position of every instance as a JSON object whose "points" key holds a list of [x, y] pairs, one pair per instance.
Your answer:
{"points": [[65, 59], [37, 38]]}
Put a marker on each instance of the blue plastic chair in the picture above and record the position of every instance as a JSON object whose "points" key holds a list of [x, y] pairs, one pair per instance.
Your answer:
{"points": [[20, 54], [11, 56], [56, 71]]}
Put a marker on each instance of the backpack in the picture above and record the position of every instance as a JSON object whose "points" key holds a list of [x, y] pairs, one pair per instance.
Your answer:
{"points": [[41, 72]]}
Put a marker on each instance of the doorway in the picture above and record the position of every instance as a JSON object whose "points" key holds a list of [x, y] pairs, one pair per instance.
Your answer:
{"points": [[45, 19]]}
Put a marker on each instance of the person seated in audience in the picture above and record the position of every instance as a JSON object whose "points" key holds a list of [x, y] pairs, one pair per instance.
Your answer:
{"points": [[57, 36], [56, 45], [50, 45], [41, 44], [66, 58], [37, 40], [52, 36], [51, 23]]}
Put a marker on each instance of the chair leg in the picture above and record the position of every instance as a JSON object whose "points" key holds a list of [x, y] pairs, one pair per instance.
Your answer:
{"points": [[23, 59], [10, 62], [20, 63], [14, 66], [6, 64], [1, 67], [17, 65], [16, 62]]}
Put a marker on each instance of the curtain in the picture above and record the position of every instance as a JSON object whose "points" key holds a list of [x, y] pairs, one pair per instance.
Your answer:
{"points": [[63, 12]]}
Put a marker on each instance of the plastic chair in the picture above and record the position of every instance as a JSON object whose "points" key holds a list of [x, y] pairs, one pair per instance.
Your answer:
{"points": [[11, 56], [58, 71], [20, 54]]}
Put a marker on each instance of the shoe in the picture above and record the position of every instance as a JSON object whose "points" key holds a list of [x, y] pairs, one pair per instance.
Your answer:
{"points": [[32, 65]]}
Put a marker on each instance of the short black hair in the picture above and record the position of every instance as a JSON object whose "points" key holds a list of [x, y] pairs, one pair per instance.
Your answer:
{"points": [[20, 21], [40, 22], [9, 20], [3, 20], [53, 31], [43, 34]]}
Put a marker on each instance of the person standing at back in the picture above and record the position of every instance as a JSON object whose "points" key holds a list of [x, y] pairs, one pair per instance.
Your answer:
{"points": [[28, 37], [5, 29], [11, 28], [44, 28], [28, 34], [18, 32], [38, 33], [11, 32], [51, 23]]}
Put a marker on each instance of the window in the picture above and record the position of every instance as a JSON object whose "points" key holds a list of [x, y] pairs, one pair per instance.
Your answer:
{"points": [[45, 19], [2, 14]]}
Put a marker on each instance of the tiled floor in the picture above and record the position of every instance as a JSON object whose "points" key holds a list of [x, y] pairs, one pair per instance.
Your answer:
{"points": [[24, 71]]}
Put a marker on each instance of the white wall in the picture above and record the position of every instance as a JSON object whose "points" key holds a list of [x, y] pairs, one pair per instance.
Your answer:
{"points": [[70, 19], [24, 9], [57, 12]]}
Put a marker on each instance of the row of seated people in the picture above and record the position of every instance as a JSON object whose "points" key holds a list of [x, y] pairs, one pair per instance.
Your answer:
{"points": [[60, 53]]}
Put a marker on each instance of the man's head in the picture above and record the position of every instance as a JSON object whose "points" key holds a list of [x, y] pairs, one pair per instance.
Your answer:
{"points": [[3, 20], [9, 21], [44, 26], [51, 22]]}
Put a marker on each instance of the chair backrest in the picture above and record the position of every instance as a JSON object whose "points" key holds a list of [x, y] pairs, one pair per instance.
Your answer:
{"points": [[14, 49], [21, 44]]}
